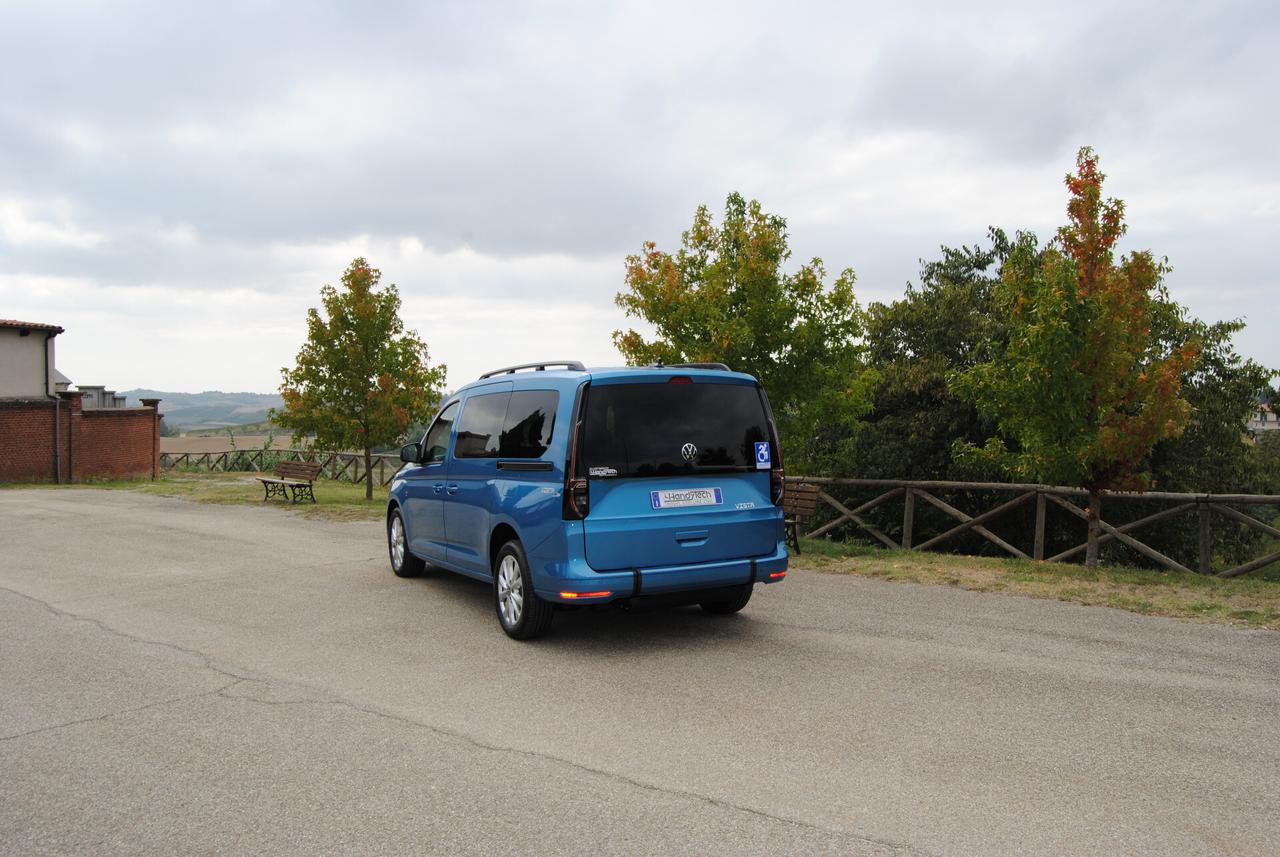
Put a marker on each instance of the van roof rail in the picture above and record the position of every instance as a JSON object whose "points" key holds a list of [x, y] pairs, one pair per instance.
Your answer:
{"points": [[574, 365], [719, 367]]}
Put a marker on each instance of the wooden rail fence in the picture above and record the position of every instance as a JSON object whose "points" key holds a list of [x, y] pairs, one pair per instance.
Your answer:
{"points": [[347, 466], [337, 466], [1204, 506]]}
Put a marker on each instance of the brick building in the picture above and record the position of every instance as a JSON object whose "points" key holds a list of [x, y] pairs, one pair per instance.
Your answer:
{"points": [[49, 433]]}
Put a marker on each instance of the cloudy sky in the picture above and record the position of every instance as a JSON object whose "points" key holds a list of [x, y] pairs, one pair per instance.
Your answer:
{"points": [[176, 184]]}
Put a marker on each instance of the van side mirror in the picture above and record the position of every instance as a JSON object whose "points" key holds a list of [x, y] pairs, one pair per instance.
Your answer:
{"points": [[410, 453]]}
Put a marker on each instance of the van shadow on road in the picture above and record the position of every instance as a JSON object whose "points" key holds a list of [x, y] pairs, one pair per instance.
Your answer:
{"points": [[607, 630]]}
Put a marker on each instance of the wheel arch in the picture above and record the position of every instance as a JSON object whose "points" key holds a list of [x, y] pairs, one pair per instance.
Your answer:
{"points": [[502, 533], [393, 506]]}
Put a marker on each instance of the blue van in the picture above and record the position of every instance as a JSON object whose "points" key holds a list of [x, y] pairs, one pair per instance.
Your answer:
{"points": [[567, 486]]}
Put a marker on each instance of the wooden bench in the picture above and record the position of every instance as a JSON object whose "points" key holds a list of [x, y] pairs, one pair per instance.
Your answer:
{"points": [[292, 477], [799, 502]]}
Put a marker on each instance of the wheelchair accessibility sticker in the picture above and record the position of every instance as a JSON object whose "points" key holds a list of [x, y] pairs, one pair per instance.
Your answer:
{"points": [[762, 456]]}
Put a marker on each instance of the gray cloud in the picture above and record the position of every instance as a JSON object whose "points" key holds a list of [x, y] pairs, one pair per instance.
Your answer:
{"points": [[515, 152]]}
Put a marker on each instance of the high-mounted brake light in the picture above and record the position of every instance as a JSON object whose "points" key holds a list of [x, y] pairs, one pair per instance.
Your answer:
{"points": [[679, 379], [572, 595]]}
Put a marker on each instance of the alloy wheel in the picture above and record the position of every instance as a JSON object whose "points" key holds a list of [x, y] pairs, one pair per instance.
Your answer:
{"points": [[510, 591], [397, 542]]}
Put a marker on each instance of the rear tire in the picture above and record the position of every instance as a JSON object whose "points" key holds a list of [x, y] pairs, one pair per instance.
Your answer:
{"points": [[403, 563], [735, 599], [521, 613]]}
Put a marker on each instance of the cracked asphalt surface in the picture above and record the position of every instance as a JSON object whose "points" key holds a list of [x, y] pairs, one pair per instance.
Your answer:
{"points": [[190, 679]]}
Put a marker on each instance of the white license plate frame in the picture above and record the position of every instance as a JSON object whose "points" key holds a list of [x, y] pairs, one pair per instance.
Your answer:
{"points": [[686, 498]]}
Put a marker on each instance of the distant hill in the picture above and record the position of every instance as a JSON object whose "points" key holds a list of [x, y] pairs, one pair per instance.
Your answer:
{"points": [[210, 409]]}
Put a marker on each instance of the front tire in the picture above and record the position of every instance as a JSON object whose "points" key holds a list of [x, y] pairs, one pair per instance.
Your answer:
{"points": [[403, 563], [521, 613], [735, 599]]}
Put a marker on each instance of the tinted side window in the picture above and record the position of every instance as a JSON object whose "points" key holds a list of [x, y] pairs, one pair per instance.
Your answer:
{"points": [[481, 425], [531, 416], [437, 439]]}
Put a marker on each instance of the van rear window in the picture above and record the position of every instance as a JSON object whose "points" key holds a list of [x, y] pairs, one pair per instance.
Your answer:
{"points": [[670, 429]]}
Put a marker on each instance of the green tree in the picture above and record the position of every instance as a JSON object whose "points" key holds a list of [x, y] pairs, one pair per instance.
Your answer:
{"points": [[944, 323], [1268, 446], [1214, 454], [724, 297], [947, 322], [1080, 385], [361, 379]]}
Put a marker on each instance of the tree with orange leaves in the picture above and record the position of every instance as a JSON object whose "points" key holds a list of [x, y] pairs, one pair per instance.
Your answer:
{"points": [[361, 379], [1081, 389]]}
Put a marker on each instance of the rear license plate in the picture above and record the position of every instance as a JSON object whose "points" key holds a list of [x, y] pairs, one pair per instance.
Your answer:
{"points": [[679, 498]]}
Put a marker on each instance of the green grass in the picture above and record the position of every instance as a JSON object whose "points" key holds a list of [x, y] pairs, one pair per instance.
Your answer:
{"points": [[334, 500], [1272, 571], [1252, 602]]}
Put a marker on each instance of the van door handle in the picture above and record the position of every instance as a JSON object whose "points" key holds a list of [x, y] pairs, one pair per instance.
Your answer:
{"points": [[438, 487], [453, 489], [692, 537]]}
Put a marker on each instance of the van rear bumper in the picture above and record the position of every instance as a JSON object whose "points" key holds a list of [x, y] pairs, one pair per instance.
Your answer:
{"points": [[576, 578]]}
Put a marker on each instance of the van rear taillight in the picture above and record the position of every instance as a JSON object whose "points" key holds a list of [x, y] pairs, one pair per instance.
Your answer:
{"points": [[777, 476], [576, 495], [578, 498]]}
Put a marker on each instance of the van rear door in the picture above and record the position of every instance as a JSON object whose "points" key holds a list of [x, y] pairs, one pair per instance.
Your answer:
{"points": [[678, 472]]}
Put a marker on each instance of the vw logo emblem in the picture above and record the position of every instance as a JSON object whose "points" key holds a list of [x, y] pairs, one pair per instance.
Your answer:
{"points": [[689, 451]]}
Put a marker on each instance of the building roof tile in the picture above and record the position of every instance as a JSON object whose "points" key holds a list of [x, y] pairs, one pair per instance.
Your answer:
{"points": [[33, 325]]}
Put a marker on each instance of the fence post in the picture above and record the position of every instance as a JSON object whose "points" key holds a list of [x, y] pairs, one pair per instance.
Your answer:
{"points": [[1095, 514], [1037, 551], [1206, 559], [908, 517]]}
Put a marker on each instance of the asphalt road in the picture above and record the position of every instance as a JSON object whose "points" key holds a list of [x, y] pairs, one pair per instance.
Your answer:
{"points": [[191, 679]]}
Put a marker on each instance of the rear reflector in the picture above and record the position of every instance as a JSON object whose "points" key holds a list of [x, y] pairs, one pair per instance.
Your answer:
{"points": [[775, 575], [584, 594]]}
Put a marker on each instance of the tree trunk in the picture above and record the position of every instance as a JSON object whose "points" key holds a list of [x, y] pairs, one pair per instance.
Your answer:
{"points": [[368, 473], [1095, 512]]}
